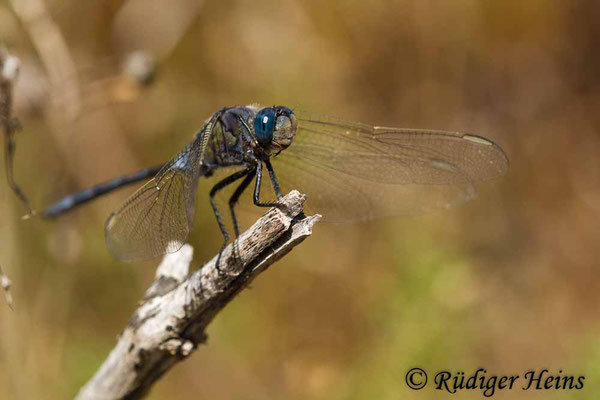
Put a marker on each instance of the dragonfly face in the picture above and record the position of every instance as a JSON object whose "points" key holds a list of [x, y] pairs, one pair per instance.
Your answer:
{"points": [[275, 128]]}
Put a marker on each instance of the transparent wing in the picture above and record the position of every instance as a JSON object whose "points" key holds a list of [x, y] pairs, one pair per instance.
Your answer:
{"points": [[157, 218], [353, 172]]}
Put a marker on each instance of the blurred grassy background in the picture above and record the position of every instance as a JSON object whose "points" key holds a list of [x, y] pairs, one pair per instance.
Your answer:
{"points": [[508, 282]]}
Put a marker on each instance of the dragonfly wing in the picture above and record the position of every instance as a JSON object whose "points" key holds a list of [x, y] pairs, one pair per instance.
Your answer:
{"points": [[356, 172], [157, 218]]}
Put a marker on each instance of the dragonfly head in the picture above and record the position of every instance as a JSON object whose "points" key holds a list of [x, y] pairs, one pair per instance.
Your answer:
{"points": [[275, 128]]}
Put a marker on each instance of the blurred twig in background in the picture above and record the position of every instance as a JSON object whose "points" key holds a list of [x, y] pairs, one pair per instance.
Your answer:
{"points": [[102, 84], [137, 72], [5, 284], [70, 98], [53, 51], [9, 70], [177, 308]]}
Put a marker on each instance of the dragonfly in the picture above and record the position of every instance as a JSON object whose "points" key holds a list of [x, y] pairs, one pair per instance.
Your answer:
{"points": [[349, 171]]}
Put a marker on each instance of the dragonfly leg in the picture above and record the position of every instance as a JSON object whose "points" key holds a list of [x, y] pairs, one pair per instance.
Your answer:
{"points": [[215, 189], [234, 199], [274, 180], [257, 189], [232, 202]]}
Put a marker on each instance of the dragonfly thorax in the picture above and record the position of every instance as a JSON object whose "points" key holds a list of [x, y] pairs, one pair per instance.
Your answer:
{"points": [[244, 135]]}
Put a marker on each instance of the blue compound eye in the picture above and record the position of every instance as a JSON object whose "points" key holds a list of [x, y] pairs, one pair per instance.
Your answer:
{"points": [[264, 123]]}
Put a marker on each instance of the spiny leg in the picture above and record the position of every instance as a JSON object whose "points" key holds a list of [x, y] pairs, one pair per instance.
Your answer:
{"points": [[218, 186], [233, 201], [277, 188], [257, 184], [235, 197], [274, 180]]}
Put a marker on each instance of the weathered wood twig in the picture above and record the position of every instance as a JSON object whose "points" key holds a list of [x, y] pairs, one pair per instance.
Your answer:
{"points": [[171, 321]]}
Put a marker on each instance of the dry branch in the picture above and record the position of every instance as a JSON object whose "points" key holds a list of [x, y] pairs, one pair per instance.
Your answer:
{"points": [[171, 321]]}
